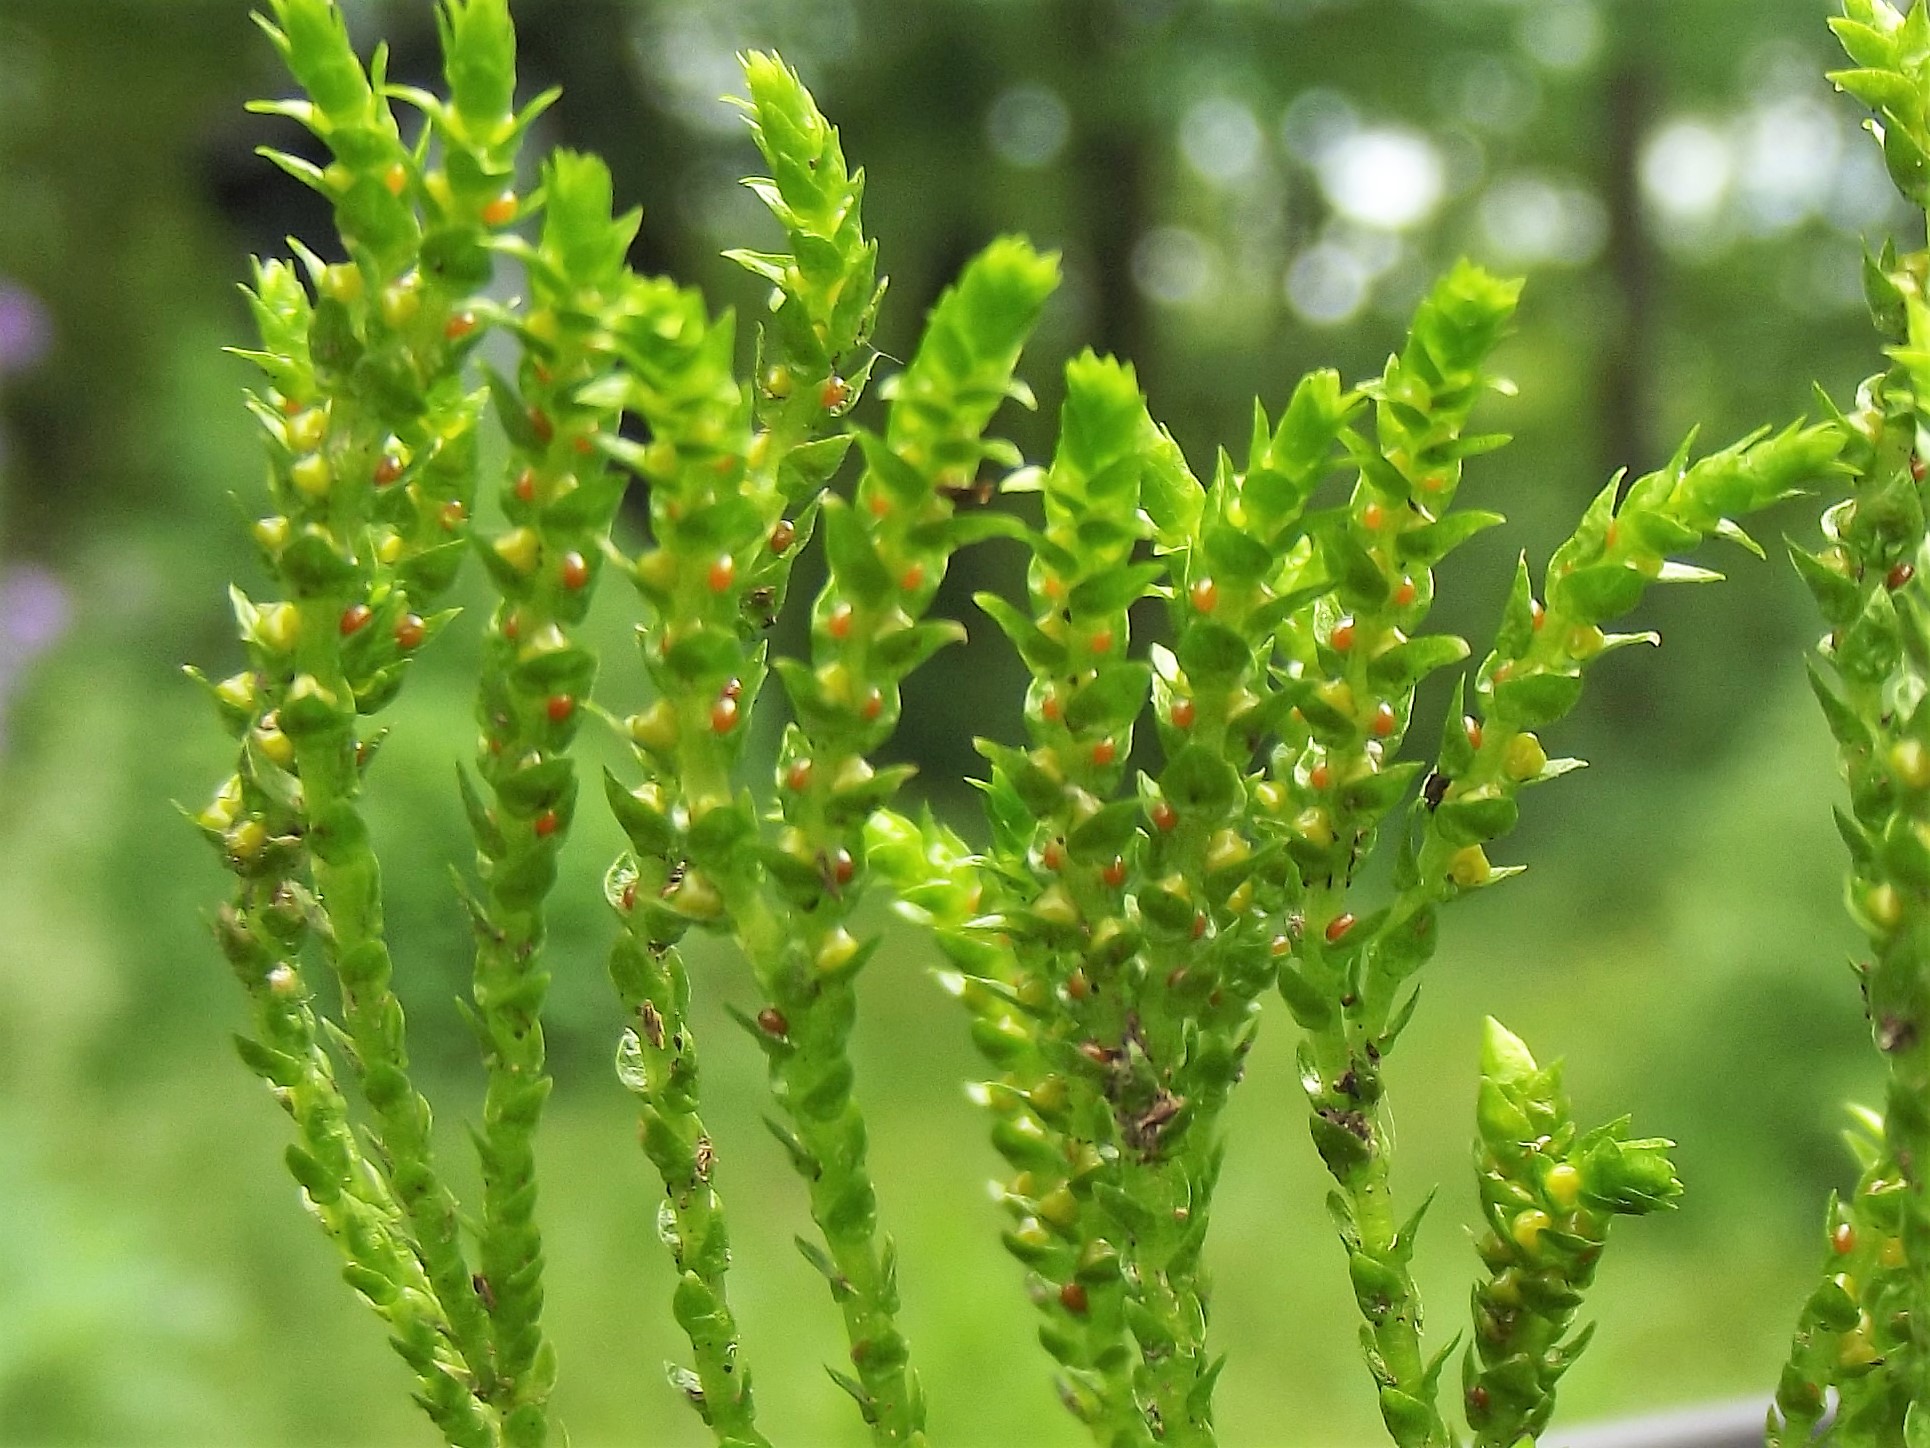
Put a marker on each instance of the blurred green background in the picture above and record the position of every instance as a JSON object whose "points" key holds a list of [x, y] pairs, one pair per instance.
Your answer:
{"points": [[1242, 189]]}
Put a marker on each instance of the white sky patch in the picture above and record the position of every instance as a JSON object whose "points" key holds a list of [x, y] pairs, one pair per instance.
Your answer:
{"points": [[1530, 219], [1220, 139], [1327, 284], [1385, 177], [1028, 125], [1174, 265]]}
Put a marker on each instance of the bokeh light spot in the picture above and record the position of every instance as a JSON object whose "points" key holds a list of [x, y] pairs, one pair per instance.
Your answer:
{"points": [[1686, 170], [1028, 125], [1327, 284], [1528, 219], [1220, 139], [1563, 35], [1174, 265], [1316, 122], [1385, 177]]}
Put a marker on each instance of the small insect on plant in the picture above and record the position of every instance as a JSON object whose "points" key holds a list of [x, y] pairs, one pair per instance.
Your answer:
{"points": [[1114, 944]]}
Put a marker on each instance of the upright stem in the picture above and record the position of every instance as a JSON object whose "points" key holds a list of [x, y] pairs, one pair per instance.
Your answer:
{"points": [[559, 498], [811, 1080], [1341, 1077], [348, 1196], [348, 883], [806, 966], [658, 1061]]}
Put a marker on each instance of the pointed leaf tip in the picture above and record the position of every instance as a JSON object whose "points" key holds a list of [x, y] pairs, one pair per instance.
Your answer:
{"points": [[1505, 1057]]}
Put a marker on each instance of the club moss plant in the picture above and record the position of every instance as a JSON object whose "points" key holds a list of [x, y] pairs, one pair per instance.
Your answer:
{"points": [[1864, 1334], [1116, 940]]}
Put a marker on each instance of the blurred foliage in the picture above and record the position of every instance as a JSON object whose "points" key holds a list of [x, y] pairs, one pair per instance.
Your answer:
{"points": [[1687, 200]]}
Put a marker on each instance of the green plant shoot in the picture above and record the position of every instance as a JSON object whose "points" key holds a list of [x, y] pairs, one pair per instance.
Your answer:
{"points": [[1187, 828]]}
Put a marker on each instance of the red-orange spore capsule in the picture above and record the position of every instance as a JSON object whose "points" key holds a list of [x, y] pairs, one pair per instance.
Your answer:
{"points": [[844, 868], [1372, 517], [559, 707], [388, 468], [584, 443], [501, 211], [1102, 641], [721, 574], [1898, 576], [540, 424], [451, 517], [459, 326], [914, 578], [526, 486], [834, 394], [396, 179], [1404, 593], [1205, 594], [291, 406], [629, 897], [1384, 720], [1319, 777], [1916, 468], [1053, 856], [723, 715], [1842, 1241], [1434, 482], [839, 624], [547, 823], [771, 1022], [576, 572], [1613, 532], [1077, 986], [1537, 614], [1054, 586], [1471, 727], [1477, 1399], [1338, 927], [513, 628], [783, 536], [1050, 709], [409, 632], [1199, 924], [1115, 873], [879, 505], [1165, 817], [1183, 713], [1342, 638], [355, 618], [1104, 752], [873, 706], [733, 689], [1072, 1297], [797, 775]]}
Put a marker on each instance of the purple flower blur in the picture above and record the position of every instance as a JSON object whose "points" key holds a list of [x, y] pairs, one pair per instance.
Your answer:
{"points": [[24, 329], [34, 613]]}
